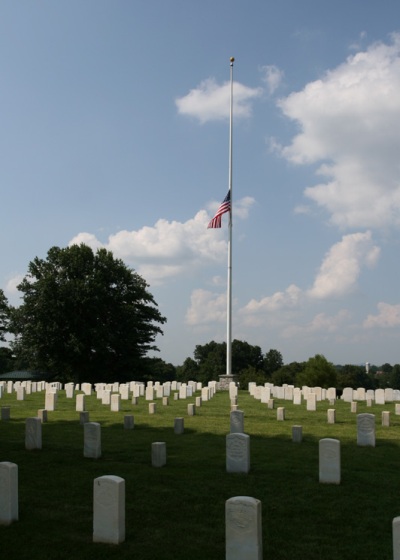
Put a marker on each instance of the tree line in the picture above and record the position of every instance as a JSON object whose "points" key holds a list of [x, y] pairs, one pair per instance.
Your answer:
{"points": [[86, 316]]}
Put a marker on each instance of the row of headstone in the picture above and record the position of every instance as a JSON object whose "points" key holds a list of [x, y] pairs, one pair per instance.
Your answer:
{"points": [[243, 524], [243, 514], [379, 396], [297, 394]]}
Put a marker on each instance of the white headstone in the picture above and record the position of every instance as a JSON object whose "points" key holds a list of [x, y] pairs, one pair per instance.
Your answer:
{"points": [[297, 434], [396, 538], [152, 408], [8, 493], [331, 413], [50, 401], [158, 453], [115, 402], [237, 422], [366, 429], [237, 453], [33, 433], [92, 440], [178, 426], [347, 395], [243, 529], [5, 413], [280, 413], [329, 461], [379, 396], [385, 418], [80, 403], [149, 393], [106, 397], [109, 509], [312, 402]]}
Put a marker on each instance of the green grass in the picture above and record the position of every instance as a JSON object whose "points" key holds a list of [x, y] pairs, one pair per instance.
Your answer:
{"points": [[177, 512]]}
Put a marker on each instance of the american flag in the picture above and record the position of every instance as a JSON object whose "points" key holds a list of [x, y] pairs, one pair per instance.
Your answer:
{"points": [[225, 206]]}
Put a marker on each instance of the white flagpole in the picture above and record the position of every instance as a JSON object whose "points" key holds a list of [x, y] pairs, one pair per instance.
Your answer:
{"points": [[229, 280]]}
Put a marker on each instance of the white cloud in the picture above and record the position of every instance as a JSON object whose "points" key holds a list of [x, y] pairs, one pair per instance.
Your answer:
{"points": [[349, 124], [211, 101], [11, 286], [273, 77], [336, 277], [321, 323], [289, 298], [388, 316], [206, 307], [168, 248], [87, 239], [341, 267]]}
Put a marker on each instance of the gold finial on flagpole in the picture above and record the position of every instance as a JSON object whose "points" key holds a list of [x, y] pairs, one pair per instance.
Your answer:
{"points": [[232, 59]]}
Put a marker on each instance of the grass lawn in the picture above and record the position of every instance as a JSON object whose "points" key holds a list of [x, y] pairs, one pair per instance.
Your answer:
{"points": [[177, 512]]}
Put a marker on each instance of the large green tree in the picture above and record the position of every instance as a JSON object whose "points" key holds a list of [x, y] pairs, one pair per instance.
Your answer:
{"points": [[85, 316], [318, 372], [4, 315], [211, 360], [273, 361]]}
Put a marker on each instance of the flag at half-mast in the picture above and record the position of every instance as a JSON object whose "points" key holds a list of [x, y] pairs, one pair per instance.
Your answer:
{"points": [[224, 207]]}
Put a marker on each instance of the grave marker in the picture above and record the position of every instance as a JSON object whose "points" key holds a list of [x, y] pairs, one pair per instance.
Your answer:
{"points": [[158, 453], [243, 529], [8, 493], [329, 461], [92, 440], [109, 509], [33, 433], [366, 429], [237, 453]]}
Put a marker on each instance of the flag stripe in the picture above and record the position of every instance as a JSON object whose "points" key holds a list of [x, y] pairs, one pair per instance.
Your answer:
{"points": [[224, 207]]}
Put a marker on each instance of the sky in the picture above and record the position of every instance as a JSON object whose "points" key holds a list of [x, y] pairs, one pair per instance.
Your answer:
{"points": [[114, 132]]}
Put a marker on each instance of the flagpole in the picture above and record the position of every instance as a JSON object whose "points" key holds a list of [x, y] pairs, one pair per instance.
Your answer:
{"points": [[229, 279]]}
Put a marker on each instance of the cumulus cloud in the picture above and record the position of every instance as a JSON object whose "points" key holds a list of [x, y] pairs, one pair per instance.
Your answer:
{"points": [[272, 77], [337, 277], [321, 323], [168, 248], [348, 123], [211, 101], [288, 298], [388, 316], [341, 267], [12, 283], [206, 307]]}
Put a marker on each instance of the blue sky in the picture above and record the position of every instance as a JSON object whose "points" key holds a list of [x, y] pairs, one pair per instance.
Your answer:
{"points": [[114, 131]]}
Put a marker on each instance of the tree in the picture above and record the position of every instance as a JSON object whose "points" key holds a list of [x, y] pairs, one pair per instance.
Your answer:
{"points": [[4, 316], [6, 360], [211, 359], [273, 361], [318, 372], [155, 369], [394, 377], [287, 374], [85, 316], [353, 376], [188, 371], [244, 356]]}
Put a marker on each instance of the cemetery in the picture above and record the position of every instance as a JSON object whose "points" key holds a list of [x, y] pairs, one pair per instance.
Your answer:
{"points": [[176, 471]]}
